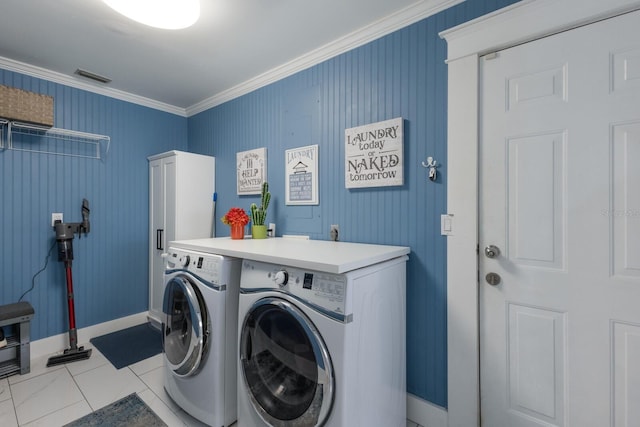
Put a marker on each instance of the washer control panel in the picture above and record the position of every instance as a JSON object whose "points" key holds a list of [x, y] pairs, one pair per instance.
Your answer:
{"points": [[281, 278], [325, 290], [206, 266]]}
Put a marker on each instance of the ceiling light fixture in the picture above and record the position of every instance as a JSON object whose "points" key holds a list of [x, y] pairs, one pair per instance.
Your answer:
{"points": [[166, 14]]}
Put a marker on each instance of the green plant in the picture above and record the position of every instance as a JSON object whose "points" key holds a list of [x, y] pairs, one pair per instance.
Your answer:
{"points": [[259, 214]]}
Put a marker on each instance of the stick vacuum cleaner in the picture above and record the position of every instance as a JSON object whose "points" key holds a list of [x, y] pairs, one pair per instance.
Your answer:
{"points": [[64, 236]]}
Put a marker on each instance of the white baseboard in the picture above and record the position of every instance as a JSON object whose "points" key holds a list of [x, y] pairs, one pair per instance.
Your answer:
{"points": [[58, 343], [425, 413]]}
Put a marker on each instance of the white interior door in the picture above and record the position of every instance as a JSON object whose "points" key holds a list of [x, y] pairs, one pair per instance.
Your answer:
{"points": [[560, 197]]}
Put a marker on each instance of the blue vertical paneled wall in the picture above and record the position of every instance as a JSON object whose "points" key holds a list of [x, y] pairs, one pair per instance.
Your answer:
{"points": [[400, 75], [110, 269]]}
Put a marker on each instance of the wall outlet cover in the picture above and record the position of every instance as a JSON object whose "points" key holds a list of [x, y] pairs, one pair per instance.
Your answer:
{"points": [[334, 232], [56, 217]]}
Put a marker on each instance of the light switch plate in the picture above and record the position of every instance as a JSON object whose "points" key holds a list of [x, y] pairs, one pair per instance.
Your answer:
{"points": [[446, 224]]}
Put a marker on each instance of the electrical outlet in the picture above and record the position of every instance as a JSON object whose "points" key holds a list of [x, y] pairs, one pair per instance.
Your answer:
{"points": [[56, 217], [334, 232]]}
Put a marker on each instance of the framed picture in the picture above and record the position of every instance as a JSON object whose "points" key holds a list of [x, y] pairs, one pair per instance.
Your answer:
{"points": [[301, 176], [373, 155], [251, 171]]}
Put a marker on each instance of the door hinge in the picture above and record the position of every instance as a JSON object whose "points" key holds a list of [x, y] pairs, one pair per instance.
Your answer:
{"points": [[490, 56], [478, 263]]}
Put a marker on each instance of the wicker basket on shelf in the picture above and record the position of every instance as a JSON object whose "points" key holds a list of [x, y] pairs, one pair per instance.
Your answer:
{"points": [[24, 106]]}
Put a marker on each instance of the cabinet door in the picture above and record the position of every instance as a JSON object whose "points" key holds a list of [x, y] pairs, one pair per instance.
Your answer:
{"points": [[193, 190], [170, 184], [160, 229]]}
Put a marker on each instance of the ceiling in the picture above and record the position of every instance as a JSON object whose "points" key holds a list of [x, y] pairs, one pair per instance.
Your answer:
{"points": [[235, 47]]}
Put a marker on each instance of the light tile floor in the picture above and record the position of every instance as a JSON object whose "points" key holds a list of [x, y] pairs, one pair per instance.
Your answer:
{"points": [[49, 397]]}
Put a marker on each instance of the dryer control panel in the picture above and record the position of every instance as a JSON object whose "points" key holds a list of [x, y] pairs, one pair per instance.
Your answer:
{"points": [[324, 291]]}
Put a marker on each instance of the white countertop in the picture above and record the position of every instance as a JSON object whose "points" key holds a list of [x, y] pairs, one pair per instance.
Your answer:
{"points": [[320, 255]]}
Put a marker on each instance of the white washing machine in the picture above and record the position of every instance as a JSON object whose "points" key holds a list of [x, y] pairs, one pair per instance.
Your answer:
{"points": [[200, 326], [322, 349]]}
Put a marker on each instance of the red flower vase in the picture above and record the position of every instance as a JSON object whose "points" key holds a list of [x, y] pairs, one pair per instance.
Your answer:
{"points": [[237, 231]]}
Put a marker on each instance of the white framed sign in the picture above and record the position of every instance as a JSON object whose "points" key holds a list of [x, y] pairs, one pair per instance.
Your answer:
{"points": [[251, 167], [301, 176], [373, 155]]}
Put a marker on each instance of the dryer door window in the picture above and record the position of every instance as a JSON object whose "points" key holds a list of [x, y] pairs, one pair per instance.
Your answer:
{"points": [[186, 326], [285, 365]]}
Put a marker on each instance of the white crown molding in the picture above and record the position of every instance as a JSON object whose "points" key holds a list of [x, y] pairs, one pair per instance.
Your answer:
{"points": [[380, 28], [387, 25], [55, 77], [527, 20]]}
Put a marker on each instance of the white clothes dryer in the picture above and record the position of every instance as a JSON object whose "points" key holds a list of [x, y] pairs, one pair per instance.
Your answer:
{"points": [[322, 349], [199, 330]]}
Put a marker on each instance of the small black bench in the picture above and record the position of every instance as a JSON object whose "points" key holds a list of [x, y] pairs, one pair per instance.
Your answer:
{"points": [[16, 356]]}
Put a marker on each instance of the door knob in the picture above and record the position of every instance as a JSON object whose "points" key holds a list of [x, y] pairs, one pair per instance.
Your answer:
{"points": [[492, 251], [493, 279]]}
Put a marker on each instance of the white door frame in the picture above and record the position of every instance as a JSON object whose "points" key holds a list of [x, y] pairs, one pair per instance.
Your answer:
{"points": [[516, 24]]}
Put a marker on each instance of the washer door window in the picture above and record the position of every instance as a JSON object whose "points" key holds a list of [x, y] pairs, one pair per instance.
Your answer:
{"points": [[285, 365], [186, 327]]}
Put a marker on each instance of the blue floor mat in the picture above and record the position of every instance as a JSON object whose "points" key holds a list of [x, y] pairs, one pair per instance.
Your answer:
{"points": [[131, 345], [130, 411]]}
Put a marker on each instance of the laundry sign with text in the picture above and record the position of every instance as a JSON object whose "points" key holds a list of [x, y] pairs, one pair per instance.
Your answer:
{"points": [[373, 155], [301, 184], [251, 171]]}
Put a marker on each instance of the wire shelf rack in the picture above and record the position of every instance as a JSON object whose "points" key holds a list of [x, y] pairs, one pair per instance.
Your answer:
{"points": [[27, 137], [4, 124]]}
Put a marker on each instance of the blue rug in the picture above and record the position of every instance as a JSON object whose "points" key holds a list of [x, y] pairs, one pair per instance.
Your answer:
{"points": [[130, 345], [130, 411]]}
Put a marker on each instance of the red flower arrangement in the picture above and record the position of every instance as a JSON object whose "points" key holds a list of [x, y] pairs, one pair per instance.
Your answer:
{"points": [[236, 216]]}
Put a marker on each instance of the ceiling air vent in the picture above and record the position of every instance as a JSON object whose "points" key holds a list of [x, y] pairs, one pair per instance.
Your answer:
{"points": [[92, 76]]}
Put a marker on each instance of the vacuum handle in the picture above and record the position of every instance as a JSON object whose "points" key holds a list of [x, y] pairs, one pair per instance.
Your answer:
{"points": [[86, 225], [159, 232]]}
